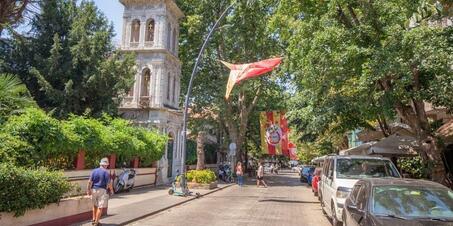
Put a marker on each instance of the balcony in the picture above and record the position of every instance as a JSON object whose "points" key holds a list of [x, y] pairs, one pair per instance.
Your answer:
{"points": [[149, 44], [127, 101], [144, 102], [134, 44]]}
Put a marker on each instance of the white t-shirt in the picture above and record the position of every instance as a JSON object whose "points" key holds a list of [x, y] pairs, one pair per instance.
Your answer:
{"points": [[261, 171]]}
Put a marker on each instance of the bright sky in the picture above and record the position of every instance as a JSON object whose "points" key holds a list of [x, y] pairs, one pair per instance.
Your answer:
{"points": [[113, 9]]}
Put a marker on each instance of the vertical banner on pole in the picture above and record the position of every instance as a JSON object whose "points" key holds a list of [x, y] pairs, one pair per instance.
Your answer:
{"points": [[293, 151], [274, 133]]}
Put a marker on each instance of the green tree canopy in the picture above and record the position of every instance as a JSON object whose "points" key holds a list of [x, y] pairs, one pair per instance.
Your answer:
{"points": [[14, 96], [242, 37], [68, 61], [357, 61]]}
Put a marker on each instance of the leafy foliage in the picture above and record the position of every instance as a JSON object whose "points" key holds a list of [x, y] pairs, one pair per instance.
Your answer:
{"points": [[15, 151], [23, 189], [44, 133], [201, 176], [69, 57], [209, 151], [359, 62], [413, 166], [36, 139], [242, 37], [14, 96]]}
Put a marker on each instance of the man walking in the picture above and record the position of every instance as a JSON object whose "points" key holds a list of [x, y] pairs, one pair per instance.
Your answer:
{"points": [[260, 175], [99, 187]]}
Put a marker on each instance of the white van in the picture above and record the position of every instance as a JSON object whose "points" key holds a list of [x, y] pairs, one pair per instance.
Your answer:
{"points": [[341, 172]]}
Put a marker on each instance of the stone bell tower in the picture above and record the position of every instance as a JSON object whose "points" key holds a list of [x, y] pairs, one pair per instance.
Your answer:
{"points": [[150, 30]]}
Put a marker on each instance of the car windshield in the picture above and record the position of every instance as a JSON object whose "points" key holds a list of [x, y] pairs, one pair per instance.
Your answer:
{"points": [[365, 168], [412, 202]]}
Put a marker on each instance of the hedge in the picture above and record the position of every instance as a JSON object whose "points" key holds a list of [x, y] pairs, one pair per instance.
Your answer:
{"points": [[14, 150], [201, 176], [53, 143], [23, 189]]}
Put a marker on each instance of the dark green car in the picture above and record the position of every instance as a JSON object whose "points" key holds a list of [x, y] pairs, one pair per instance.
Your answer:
{"points": [[393, 201]]}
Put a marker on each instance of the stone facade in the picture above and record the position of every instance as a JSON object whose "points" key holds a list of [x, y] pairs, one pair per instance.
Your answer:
{"points": [[150, 30]]}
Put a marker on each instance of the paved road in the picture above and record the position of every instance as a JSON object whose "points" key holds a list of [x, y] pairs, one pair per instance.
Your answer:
{"points": [[285, 202]]}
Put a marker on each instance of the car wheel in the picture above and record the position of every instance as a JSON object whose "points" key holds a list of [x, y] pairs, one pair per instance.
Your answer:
{"points": [[343, 217], [335, 221], [118, 187], [322, 208]]}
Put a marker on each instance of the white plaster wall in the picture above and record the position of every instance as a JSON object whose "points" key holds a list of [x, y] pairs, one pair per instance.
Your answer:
{"points": [[66, 207]]}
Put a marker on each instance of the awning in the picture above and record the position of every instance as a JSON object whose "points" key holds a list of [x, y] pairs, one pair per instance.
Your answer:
{"points": [[359, 150], [395, 146], [319, 159], [392, 146], [446, 132]]}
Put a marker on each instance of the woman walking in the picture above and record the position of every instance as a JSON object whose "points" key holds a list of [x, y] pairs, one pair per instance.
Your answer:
{"points": [[240, 174]]}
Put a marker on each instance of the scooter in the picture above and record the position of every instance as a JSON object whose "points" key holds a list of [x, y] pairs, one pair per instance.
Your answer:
{"points": [[183, 190], [125, 181], [225, 173]]}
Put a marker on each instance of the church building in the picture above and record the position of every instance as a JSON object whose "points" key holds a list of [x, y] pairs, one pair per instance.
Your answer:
{"points": [[150, 30]]}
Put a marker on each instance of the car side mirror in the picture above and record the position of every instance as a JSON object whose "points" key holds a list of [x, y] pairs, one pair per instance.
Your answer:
{"points": [[355, 209]]}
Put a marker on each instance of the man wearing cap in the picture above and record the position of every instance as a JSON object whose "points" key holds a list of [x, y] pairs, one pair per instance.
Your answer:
{"points": [[99, 187]]}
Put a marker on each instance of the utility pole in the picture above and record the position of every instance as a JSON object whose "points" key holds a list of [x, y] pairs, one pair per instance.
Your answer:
{"points": [[189, 91]]}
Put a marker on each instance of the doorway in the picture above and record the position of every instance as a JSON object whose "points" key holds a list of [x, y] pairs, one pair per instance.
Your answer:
{"points": [[170, 156]]}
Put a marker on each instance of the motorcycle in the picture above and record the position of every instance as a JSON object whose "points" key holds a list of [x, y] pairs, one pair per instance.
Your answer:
{"points": [[225, 173], [125, 181]]}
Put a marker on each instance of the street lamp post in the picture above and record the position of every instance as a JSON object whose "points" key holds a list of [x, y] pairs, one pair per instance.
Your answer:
{"points": [[189, 91]]}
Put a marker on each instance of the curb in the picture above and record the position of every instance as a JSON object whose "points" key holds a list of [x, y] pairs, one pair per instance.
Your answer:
{"points": [[174, 205]]}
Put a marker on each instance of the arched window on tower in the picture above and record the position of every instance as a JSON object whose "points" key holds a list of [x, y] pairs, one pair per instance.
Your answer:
{"points": [[174, 89], [169, 37], [170, 149], [174, 41], [168, 86], [146, 77], [150, 24], [135, 31], [131, 91]]}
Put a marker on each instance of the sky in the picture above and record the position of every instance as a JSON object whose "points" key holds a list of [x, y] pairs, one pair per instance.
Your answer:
{"points": [[113, 10]]}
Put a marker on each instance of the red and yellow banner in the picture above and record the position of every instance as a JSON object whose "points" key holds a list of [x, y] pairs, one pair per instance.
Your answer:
{"points": [[274, 133]]}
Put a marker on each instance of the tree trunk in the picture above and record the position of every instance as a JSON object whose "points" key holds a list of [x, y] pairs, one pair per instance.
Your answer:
{"points": [[201, 138], [432, 151], [415, 116], [237, 130]]}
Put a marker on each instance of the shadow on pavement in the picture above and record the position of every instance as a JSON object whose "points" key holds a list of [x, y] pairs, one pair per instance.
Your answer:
{"points": [[287, 201], [140, 190]]}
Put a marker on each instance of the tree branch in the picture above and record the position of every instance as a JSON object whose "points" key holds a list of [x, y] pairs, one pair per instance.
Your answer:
{"points": [[353, 15], [342, 17]]}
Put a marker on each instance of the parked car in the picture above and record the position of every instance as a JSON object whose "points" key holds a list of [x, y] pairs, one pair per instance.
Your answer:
{"points": [[315, 180], [339, 175], [305, 174], [296, 168], [398, 202]]}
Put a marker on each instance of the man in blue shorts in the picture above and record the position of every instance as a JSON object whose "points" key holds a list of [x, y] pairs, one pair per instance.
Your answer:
{"points": [[99, 187]]}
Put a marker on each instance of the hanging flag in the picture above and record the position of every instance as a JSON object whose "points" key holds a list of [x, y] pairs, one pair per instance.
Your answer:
{"points": [[241, 72], [293, 151], [274, 133]]}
